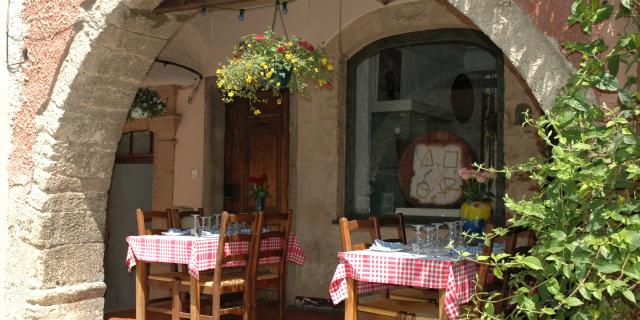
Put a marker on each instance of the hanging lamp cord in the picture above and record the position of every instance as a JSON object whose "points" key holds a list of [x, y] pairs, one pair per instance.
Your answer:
{"points": [[278, 10]]}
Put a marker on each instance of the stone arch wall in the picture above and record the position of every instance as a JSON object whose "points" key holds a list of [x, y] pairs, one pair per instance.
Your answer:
{"points": [[57, 199], [56, 211]]}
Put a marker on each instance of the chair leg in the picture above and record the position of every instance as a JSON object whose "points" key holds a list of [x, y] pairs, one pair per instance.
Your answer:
{"points": [[281, 298], [215, 308], [176, 300]]}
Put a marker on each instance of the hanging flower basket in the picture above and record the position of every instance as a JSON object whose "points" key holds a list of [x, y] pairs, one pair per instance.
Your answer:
{"points": [[271, 63], [147, 104]]}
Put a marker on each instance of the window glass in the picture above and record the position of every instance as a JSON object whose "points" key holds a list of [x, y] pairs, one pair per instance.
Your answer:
{"points": [[409, 97], [141, 142], [124, 146]]}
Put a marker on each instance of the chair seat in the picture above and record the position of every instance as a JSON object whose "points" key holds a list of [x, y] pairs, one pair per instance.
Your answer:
{"points": [[166, 276], [266, 275], [413, 294], [391, 308], [233, 277]]}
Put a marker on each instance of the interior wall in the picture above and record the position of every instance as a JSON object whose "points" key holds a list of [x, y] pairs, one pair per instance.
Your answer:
{"points": [[189, 152]]}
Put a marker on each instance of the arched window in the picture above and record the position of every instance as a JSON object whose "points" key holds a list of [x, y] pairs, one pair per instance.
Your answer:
{"points": [[135, 147], [417, 89]]}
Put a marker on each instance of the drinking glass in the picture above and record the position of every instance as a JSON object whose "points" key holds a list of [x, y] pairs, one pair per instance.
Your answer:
{"points": [[438, 245], [206, 223], [196, 225], [217, 225], [416, 245], [430, 241]]}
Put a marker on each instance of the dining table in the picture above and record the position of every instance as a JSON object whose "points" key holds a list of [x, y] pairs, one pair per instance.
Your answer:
{"points": [[197, 253], [452, 275]]}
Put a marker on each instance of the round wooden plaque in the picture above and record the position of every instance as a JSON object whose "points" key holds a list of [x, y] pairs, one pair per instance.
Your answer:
{"points": [[429, 169]]}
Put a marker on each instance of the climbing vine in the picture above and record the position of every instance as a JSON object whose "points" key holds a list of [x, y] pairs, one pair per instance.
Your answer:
{"points": [[586, 261]]}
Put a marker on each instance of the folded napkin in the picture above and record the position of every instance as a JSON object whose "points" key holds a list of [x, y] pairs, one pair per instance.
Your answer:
{"points": [[379, 244]]}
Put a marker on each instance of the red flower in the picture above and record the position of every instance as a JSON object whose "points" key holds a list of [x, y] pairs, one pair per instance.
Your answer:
{"points": [[280, 50], [306, 45], [260, 37], [252, 179], [328, 86], [260, 181]]}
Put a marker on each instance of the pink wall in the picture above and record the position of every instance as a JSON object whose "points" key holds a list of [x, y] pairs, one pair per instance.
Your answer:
{"points": [[49, 29]]}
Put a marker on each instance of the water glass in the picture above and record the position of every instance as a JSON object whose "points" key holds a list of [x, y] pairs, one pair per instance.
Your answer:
{"points": [[206, 223], [430, 245], [195, 228], [416, 245]]}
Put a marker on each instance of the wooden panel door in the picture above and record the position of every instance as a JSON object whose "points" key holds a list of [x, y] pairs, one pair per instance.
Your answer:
{"points": [[256, 145]]}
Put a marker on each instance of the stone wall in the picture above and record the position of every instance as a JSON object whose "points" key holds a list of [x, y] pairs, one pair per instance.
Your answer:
{"points": [[75, 67]]}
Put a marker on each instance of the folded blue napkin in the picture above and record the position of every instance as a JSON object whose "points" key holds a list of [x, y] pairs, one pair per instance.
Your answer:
{"points": [[388, 245]]}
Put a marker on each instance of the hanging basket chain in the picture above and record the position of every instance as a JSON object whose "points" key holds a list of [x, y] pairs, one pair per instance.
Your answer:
{"points": [[278, 9]]}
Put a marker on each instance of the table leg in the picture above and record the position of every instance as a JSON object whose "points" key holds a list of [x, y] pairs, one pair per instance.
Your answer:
{"points": [[442, 313], [141, 290], [195, 298]]}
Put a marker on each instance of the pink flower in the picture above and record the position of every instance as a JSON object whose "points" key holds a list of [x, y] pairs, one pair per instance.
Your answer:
{"points": [[328, 85], [260, 37], [280, 50], [466, 174], [484, 175]]}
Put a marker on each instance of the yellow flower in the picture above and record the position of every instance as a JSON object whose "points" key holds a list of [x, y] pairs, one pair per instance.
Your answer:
{"points": [[316, 69], [279, 101], [288, 56], [264, 66], [248, 79], [257, 112], [329, 67], [277, 84], [289, 43], [269, 74], [230, 94], [218, 72], [294, 60], [321, 82], [324, 61], [249, 45]]}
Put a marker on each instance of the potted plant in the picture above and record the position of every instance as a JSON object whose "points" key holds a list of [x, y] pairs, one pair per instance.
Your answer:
{"points": [[271, 63], [259, 190], [476, 208], [147, 104]]}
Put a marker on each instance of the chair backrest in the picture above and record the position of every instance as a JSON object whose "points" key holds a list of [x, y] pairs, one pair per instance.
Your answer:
{"points": [[348, 227], [250, 257], [483, 268], [396, 221], [146, 217], [177, 216], [279, 227]]}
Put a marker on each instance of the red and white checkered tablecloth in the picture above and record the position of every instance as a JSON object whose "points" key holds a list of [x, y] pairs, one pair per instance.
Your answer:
{"points": [[199, 254], [405, 269]]}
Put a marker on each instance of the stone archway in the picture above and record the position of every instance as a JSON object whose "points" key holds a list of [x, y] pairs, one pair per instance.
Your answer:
{"points": [[61, 164]]}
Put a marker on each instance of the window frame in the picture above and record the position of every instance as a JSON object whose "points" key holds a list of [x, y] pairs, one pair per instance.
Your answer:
{"points": [[136, 158], [438, 36]]}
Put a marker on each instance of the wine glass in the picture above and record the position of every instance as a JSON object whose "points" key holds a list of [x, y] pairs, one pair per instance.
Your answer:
{"points": [[452, 232], [417, 242], [196, 225], [430, 240], [437, 242]]}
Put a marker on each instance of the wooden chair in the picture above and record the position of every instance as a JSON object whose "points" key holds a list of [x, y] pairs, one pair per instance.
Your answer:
{"points": [[279, 225], [228, 280], [178, 215], [408, 294], [157, 280], [382, 306], [396, 221]]}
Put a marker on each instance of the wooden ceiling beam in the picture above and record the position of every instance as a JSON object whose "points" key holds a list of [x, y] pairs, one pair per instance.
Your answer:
{"points": [[169, 6]]}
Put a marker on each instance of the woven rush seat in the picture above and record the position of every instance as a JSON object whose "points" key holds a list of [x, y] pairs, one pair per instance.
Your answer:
{"points": [[413, 294]]}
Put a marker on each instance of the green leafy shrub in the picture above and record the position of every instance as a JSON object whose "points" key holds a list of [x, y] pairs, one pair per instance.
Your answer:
{"points": [[147, 104], [586, 261]]}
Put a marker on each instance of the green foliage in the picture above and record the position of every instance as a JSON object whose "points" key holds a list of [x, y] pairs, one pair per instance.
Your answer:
{"points": [[586, 262], [147, 104], [267, 62]]}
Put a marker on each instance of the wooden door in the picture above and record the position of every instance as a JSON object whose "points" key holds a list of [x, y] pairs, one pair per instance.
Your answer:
{"points": [[256, 145]]}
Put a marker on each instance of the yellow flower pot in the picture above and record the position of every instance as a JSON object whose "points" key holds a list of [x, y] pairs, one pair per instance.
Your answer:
{"points": [[475, 210]]}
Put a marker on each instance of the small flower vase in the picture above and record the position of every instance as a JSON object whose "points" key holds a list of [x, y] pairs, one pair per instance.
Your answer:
{"points": [[260, 204], [475, 214]]}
